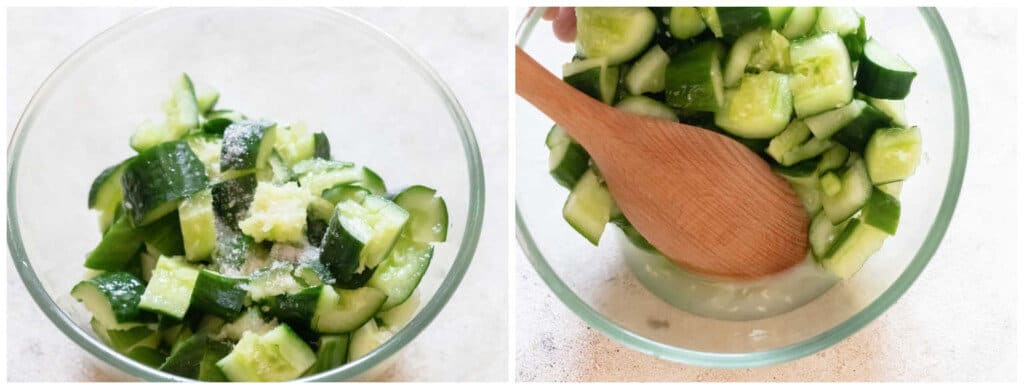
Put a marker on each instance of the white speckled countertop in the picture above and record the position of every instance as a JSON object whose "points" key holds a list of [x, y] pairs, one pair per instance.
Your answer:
{"points": [[39, 38], [956, 323]]}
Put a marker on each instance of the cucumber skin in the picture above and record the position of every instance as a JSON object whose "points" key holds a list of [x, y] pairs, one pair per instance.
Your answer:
{"points": [[688, 83], [321, 146], [248, 136], [738, 20], [158, 178], [570, 169], [855, 134], [882, 211], [882, 83], [123, 291], [294, 309], [340, 250], [231, 198], [118, 248], [165, 235], [219, 295], [333, 352]]}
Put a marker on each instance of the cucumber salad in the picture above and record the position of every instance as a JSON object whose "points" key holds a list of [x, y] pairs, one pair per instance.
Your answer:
{"points": [[237, 249], [804, 87]]}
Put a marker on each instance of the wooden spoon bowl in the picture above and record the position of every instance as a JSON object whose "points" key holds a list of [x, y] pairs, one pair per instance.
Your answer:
{"points": [[702, 199]]}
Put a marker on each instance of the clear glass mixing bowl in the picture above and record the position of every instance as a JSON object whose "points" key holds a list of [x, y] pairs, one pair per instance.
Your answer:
{"points": [[599, 283], [378, 102]]}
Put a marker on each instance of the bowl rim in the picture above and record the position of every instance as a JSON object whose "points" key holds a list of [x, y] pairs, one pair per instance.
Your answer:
{"points": [[821, 341], [467, 248]]}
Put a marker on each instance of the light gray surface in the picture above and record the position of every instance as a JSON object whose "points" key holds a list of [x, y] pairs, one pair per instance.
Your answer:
{"points": [[957, 323], [466, 46]]}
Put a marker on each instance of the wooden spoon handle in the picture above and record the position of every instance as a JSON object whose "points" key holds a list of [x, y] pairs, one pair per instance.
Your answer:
{"points": [[571, 109]]}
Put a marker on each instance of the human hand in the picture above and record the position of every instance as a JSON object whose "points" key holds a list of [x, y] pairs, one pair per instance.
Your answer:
{"points": [[563, 22]]}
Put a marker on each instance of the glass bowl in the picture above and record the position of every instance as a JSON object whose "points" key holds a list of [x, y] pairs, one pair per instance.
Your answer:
{"points": [[606, 285], [379, 103]]}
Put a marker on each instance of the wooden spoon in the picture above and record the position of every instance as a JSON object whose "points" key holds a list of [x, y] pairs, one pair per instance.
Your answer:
{"points": [[704, 200]]}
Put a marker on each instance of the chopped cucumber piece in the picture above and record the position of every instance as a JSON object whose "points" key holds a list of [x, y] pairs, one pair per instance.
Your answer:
{"points": [[850, 251], [647, 75], [198, 230], [737, 21], [685, 23], [758, 50], [345, 310], [892, 154], [593, 77], [182, 109], [800, 22], [247, 146], [158, 179], [366, 339], [170, 289], [113, 298], [296, 309], [360, 235], [277, 213], [646, 106], [882, 74], [118, 248], [232, 198], [273, 281], [760, 108], [400, 274], [693, 78], [616, 33], [105, 193], [830, 184], [333, 352], [822, 77], [795, 134], [894, 109], [567, 159], [882, 211], [294, 143], [856, 189], [588, 208], [822, 234], [219, 295], [321, 146], [833, 158], [278, 355], [165, 235], [428, 214], [841, 20]]}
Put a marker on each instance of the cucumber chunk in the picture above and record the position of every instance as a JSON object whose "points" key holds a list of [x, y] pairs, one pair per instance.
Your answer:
{"points": [[400, 274], [344, 310], [296, 309], [856, 189], [822, 234], [118, 248], [882, 74], [882, 211], [428, 214], [278, 355], [218, 295], [849, 252], [366, 339], [333, 352], [841, 20], [198, 230], [247, 145], [795, 134], [158, 179], [758, 50], [182, 109], [113, 298], [360, 235], [851, 125], [170, 289], [736, 21], [321, 146], [892, 154], [567, 160], [646, 106], [593, 77], [616, 33], [105, 193], [275, 280], [800, 22], [894, 109], [277, 213], [295, 143], [685, 23], [588, 208], [833, 158], [822, 77], [647, 75], [165, 235], [760, 108], [232, 198], [693, 78]]}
